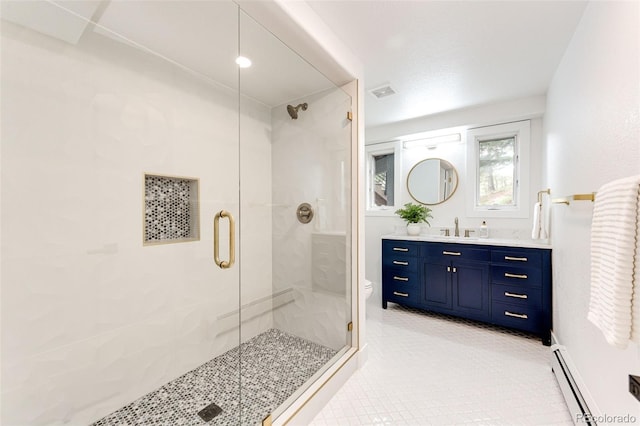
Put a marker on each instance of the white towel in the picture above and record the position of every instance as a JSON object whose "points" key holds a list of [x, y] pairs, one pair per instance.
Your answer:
{"points": [[635, 301], [538, 231], [614, 258]]}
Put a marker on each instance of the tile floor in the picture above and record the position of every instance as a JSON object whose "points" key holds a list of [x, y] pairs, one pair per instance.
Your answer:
{"points": [[429, 369]]}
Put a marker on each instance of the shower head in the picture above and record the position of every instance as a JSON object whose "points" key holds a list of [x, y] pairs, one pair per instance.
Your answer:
{"points": [[293, 110]]}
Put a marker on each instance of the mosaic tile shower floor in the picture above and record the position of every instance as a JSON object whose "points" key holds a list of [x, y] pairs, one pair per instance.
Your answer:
{"points": [[274, 365]]}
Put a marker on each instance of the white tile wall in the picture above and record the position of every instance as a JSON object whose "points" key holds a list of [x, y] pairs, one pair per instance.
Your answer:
{"points": [[427, 369], [310, 158], [91, 319]]}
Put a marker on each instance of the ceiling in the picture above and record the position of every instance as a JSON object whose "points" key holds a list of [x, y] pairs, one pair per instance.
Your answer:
{"points": [[437, 55], [202, 38], [447, 55]]}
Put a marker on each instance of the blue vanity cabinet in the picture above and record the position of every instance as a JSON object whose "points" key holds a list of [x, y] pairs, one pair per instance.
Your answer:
{"points": [[501, 285], [455, 280], [400, 272]]}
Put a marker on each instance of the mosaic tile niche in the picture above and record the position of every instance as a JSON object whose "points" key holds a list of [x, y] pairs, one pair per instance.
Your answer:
{"points": [[171, 212]]}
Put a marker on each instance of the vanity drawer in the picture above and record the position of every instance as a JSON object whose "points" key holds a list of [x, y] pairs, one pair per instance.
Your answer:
{"points": [[520, 317], [400, 295], [458, 252], [399, 278], [517, 257], [517, 295], [517, 276], [402, 264], [395, 248]]}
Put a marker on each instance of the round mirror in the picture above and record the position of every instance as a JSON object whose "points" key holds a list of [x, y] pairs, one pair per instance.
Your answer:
{"points": [[432, 181]]}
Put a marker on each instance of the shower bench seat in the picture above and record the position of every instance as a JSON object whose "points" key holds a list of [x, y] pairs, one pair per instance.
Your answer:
{"points": [[507, 286]]}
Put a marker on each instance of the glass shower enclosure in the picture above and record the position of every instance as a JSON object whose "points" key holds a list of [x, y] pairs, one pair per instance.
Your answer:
{"points": [[176, 220]]}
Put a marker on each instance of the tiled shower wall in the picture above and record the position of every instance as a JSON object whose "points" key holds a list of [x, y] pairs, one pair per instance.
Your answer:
{"points": [[91, 319], [311, 164]]}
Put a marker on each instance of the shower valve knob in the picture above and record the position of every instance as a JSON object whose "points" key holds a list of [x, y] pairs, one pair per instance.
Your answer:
{"points": [[304, 213]]}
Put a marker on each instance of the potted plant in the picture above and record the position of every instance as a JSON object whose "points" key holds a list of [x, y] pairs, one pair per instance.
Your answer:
{"points": [[414, 214]]}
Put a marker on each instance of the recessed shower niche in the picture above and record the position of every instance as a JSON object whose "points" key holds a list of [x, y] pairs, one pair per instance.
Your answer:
{"points": [[171, 213]]}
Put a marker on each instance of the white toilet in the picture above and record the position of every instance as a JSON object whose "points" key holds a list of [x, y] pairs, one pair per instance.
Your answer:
{"points": [[368, 289]]}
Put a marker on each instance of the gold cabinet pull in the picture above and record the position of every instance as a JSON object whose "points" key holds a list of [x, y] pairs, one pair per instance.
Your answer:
{"points": [[521, 276], [452, 253], [397, 262], [518, 296], [400, 278], [519, 259], [224, 264], [397, 293], [400, 249], [521, 316]]}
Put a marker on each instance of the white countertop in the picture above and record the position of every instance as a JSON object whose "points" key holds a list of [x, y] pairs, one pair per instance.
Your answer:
{"points": [[540, 244]]}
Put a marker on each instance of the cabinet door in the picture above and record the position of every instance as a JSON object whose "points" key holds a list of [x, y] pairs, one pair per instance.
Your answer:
{"points": [[470, 283], [436, 288]]}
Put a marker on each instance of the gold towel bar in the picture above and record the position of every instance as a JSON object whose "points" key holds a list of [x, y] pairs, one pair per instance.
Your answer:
{"points": [[575, 197]]}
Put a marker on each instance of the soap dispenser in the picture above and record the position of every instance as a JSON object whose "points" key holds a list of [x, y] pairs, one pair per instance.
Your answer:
{"points": [[484, 230]]}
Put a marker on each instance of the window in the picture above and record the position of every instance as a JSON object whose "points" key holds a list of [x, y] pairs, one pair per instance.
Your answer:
{"points": [[383, 171], [383, 179], [498, 165], [497, 172]]}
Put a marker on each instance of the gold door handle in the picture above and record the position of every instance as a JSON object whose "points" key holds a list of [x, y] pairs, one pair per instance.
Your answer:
{"points": [[224, 264], [521, 276]]}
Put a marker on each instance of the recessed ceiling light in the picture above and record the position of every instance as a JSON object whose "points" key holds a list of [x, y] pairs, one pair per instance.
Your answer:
{"points": [[243, 62]]}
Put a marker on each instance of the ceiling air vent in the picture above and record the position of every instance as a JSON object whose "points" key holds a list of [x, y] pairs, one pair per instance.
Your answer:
{"points": [[383, 91]]}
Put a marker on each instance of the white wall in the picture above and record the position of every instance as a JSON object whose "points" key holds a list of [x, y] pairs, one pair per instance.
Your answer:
{"points": [[592, 136], [91, 319], [480, 115], [443, 214], [311, 162]]}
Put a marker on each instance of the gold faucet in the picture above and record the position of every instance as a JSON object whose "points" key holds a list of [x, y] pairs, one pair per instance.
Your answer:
{"points": [[456, 232]]}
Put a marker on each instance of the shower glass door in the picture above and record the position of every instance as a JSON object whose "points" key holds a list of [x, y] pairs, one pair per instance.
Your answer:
{"points": [[120, 144], [295, 210], [156, 266]]}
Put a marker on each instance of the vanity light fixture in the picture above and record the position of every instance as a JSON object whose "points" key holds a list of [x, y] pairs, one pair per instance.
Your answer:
{"points": [[243, 62], [432, 142]]}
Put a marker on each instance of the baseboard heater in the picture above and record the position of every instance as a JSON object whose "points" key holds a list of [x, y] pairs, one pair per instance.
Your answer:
{"points": [[575, 402]]}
